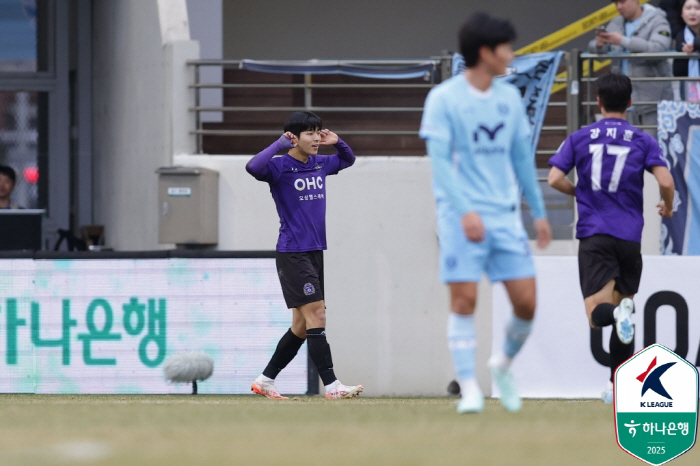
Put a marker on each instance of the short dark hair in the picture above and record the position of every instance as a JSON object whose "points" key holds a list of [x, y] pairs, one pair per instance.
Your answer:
{"points": [[9, 172], [299, 122], [615, 91], [482, 30]]}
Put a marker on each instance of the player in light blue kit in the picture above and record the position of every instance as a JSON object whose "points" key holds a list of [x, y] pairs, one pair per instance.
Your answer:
{"points": [[478, 140]]}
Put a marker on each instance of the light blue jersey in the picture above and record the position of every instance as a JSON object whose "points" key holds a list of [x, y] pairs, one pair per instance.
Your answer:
{"points": [[479, 144], [489, 137]]}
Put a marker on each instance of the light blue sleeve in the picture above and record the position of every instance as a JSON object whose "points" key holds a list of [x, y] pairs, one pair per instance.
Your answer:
{"points": [[524, 166], [435, 123], [444, 176]]}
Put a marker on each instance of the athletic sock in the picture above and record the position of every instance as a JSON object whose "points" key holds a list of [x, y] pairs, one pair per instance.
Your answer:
{"points": [[320, 354], [619, 352], [517, 331], [602, 315], [461, 338], [287, 348]]}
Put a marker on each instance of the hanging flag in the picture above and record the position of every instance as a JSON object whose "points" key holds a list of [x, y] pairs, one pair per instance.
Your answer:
{"points": [[679, 138]]}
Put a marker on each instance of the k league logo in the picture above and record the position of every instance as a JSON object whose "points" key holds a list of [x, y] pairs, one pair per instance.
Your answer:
{"points": [[656, 405]]}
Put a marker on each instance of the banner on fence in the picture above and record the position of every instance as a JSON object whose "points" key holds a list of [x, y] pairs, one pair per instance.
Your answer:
{"points": [[679, 137]]}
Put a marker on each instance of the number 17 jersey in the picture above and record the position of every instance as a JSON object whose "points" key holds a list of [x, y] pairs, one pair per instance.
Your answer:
{"points": [[610, 157]]}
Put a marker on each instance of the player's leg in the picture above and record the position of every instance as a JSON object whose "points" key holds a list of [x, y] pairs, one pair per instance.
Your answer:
{"points": [[626, 286], [605, 264], [287, 349], [522, 294], [320, 351], [461, 267], [511, 262], [291, 269], [461, 337]]}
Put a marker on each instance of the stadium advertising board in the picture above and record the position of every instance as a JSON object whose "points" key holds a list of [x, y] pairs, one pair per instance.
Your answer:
{"points": [[107, 325], [564, 358]]}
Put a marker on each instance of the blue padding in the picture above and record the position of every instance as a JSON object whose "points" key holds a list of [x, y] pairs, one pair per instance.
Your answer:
{"points": [[337, 67]]}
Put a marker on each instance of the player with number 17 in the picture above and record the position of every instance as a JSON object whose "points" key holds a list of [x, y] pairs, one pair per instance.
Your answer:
{"points": [[610, 157]]}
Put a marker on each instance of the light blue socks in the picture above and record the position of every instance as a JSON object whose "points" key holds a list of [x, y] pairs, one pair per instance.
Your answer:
{"points": [[461, 338], [517, 331]]}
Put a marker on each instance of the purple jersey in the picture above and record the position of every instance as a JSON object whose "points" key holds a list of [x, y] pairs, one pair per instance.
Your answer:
{"points": [[610, 157], [299, 191]]}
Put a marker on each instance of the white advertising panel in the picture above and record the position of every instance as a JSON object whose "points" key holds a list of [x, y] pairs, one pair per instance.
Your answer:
{"points": [[107, 325], [559, 359]]}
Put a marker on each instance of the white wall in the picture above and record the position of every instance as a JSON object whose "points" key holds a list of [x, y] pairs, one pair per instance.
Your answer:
{"points": [[140, 107]]}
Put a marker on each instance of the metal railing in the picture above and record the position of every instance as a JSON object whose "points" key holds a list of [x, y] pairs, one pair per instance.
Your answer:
{"points": [[441, 70], [308, 87], [581, 105]]}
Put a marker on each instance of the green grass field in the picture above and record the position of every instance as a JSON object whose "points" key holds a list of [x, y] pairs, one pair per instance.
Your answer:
{"points": [[231, 430]]}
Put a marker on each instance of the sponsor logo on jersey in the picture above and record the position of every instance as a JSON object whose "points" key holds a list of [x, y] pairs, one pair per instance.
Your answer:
{"points": [[490, 132]]}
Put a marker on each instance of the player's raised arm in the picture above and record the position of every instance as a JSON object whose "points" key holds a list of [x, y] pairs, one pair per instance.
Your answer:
{"points": [[257, 166], [345, 153]]}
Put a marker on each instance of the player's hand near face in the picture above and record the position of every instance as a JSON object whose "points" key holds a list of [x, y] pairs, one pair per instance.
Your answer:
{"points": [[294, 140], [665, 212], [328, 137], [473, 227], [544, 232]]}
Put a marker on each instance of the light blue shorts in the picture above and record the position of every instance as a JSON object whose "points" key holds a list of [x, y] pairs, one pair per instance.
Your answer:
{"points": [[504, 254]]}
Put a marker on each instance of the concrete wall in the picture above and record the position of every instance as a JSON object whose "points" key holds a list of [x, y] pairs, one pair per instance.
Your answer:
{"points": [[368, 29], [140, 95]]}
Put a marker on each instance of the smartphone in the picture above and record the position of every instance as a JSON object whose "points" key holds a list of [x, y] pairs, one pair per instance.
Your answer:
{"points": [[600, 30]]}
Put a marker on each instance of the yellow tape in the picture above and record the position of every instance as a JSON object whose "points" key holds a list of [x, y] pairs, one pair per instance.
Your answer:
{"points": [[569, 33], [572, 31], [597, 66]]}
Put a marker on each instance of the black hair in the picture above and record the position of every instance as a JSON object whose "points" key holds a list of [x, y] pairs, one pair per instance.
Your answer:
{"points": [[298, 122], [615, 91], [9, 172], [482, 30]]}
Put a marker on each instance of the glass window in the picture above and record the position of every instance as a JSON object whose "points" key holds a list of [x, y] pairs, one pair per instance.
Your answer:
{"points": [[20, 140], [23, 35]]}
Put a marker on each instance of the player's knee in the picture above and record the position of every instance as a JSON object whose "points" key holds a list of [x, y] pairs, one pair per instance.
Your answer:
{"points": [[315, 315], [525, 309], [463, 304]]}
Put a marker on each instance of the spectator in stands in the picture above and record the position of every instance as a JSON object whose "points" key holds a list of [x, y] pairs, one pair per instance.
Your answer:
{"points": [[639, 28], [8, 178], [688, 41], [673, 15]]}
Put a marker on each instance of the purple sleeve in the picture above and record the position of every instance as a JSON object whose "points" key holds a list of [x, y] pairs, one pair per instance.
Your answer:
{"points": [[654, 155], [343, 159], [258, 166], [564, 158]]}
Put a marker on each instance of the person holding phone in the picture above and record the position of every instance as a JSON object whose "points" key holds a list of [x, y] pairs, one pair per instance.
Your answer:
{"points": [[639, 28]]}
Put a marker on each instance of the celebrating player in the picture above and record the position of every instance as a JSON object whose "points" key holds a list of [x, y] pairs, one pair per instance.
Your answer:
{"points": [[610, 157], [478, 140], [298, 186]]}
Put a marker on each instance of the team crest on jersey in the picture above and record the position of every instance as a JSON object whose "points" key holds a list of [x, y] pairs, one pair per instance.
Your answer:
{"points": [[503, 109], [317, 167], [309, 289]]}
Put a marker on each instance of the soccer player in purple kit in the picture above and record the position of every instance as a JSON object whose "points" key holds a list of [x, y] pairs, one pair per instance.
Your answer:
{"points": [[610, 157], [297, 182]]}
